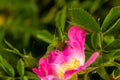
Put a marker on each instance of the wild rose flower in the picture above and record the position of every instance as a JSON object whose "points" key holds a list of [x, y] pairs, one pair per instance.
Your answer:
{"points": [[61, 65]]}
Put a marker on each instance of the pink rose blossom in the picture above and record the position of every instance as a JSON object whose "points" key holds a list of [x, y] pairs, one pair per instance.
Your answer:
{"points": [[61, 65]]}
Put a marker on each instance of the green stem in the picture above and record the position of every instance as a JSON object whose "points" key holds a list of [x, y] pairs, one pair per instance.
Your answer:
{"points": [[86, 76], [74, 77], [101, 54], [60, 33]]}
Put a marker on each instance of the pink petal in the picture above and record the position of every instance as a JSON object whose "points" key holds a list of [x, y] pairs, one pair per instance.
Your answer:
{"points": [[80, 68], [76, 42], [77, 34], [57, 57], [53, 56], [47, 67], [92, 58], [42, 61], [40, 73], [44, 68], [71, 72]]}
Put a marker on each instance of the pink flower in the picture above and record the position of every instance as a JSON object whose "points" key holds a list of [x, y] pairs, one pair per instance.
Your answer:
{"points": [[60, 65]]}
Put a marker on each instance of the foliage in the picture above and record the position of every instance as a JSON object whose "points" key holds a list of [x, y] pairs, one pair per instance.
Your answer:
{"points": [[29, 29]]}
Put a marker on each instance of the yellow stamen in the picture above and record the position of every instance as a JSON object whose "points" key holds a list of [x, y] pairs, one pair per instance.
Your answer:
{"points": [[72, 64]]}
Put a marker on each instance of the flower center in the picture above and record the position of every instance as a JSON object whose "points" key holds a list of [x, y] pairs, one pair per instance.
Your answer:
{"points": [[70, 65]]}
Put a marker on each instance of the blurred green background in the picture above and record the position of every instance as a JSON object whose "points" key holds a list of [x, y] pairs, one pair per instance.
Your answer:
{"points": [[28, 27], [22, 21]]}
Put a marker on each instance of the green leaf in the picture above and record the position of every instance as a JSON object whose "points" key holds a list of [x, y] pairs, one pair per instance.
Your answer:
{"points": [[111, 58], [52, 45], [108, 59], [61, 18], [8, 44], [10, 78], [49, 16], [45, 36], [95, 5], [104, 74], [114, 26], [88, 43], [29, 61], [20, 67], [26, 38], [83, 19], [86, 4], [108, 39], [7, 67], [116, 74], [60, 21], [25, 78], [13, 49], [32, 75], [95, 40], [111, 18], [113, 45], [87, 70], [116, 56]]}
